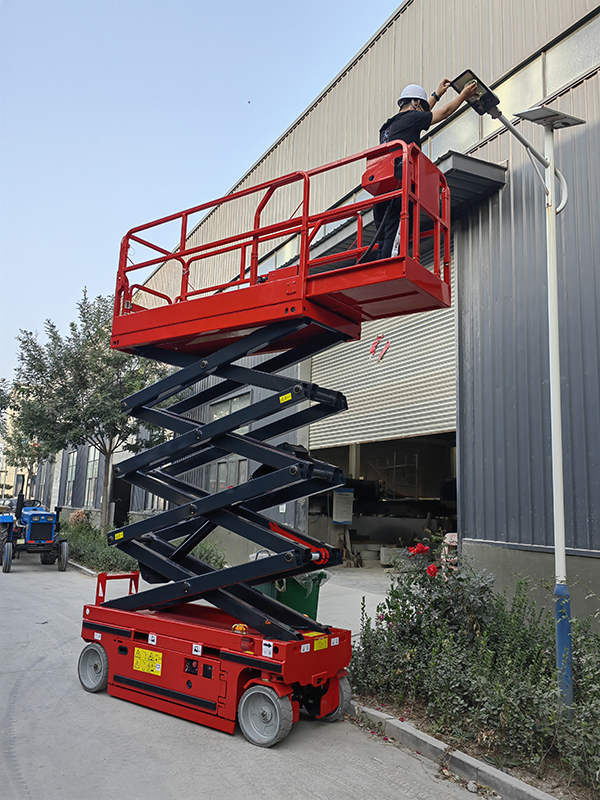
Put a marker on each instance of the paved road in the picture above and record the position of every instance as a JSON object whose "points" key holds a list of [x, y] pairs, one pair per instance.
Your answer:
{"points": [[59, 742]]}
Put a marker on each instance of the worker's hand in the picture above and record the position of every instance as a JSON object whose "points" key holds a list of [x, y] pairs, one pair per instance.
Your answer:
{"points": [[443, 87], [470, 91]]}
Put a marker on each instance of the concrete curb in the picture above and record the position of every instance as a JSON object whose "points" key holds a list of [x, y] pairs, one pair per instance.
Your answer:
{"points": [[83, 569], [466, 767]]}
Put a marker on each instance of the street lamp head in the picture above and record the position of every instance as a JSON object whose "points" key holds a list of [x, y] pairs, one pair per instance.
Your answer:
{"points": [[542, 115], [485, 101]]}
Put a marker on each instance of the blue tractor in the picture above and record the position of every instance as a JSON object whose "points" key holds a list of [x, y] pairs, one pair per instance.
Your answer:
{"points": [[32, 530]]}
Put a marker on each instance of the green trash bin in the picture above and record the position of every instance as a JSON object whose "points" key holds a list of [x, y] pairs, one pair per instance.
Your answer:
{"points": [[302, 592]]}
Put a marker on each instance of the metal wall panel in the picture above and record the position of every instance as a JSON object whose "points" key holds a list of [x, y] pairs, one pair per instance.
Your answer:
{"points": [[504, 429], [410, 392]]}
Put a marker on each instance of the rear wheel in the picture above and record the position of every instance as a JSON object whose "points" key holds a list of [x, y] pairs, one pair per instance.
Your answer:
{"points": [[93, 668], [344, 703], [63, 556], [313, 704], [264, 717], [7, 557]]}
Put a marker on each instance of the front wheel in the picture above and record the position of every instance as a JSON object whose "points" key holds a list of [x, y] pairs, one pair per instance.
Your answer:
{"points": [[63, 556], [93, 668], [264, 717], [7, 557], [48, 558]]}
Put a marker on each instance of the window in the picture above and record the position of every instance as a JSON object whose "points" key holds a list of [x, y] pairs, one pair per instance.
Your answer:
{"points": [[71, 464], [152, 502], [91, 477], [229, 470]]}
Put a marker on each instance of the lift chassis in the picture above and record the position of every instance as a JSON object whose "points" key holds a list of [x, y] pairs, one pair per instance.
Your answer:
{"points": [[202, 643]]}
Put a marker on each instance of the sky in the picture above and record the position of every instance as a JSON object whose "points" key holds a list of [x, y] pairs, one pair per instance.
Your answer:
{"points": [[119, 112]]}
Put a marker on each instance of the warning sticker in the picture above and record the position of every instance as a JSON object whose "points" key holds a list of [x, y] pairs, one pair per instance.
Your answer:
{"points": [[267, 649], [321, 644], [118, 536], [147, 661], [311, 633], [335, 640], [285, 397], [305, 648]]}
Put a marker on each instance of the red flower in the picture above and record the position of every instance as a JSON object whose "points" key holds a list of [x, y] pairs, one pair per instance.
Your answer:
{"points": [[420, 549], [432, 570]]}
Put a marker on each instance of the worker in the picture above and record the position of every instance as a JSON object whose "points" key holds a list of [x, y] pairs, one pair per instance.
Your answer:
{"points": [[417, 113]]}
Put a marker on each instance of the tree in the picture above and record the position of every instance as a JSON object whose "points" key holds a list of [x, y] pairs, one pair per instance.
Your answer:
{"points": [[69, 389]]}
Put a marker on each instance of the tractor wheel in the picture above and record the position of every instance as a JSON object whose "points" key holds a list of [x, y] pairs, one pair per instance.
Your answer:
{"points": [[48, 558], [3, 537], [264, 717], [7, 557], [93, 668], [63, 556]]}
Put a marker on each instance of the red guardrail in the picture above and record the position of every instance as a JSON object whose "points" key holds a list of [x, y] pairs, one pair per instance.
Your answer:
{"points": [[422, 183]]}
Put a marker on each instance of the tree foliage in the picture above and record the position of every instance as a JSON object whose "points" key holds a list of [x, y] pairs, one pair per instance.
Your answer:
{"points": [[69, 388]]}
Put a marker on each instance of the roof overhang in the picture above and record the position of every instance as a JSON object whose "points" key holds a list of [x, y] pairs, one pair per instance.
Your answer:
{"points": [[470, 179]]}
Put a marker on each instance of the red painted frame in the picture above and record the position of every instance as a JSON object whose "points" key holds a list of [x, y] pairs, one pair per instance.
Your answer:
{"points": [[236, 659], [334, 290]]}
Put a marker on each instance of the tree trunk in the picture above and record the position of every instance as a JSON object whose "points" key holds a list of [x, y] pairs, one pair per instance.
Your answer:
{"points": [[106, 488]]}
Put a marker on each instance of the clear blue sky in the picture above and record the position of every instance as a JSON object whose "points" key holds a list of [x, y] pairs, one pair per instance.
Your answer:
{"points": [[117, 112]]}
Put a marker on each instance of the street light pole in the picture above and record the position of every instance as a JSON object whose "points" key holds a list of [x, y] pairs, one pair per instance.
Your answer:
{"points": [[486, 102], [564, 650]]}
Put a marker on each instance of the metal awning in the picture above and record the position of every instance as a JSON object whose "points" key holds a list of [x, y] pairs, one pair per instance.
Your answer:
{"points": [[470, 179]]}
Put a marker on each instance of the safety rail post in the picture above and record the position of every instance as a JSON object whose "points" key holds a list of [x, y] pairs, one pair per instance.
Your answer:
{"points": [[256, 237], [304, 235]]}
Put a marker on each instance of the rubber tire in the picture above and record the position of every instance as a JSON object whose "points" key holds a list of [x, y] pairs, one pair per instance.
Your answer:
{"points": [[48, 558], [92, 668], [264, 717], [343, 705], [3, 537], [63, 556], [7, 557]]}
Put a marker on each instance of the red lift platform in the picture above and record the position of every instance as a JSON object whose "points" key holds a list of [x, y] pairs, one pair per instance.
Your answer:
{"points": [[205, 644]]}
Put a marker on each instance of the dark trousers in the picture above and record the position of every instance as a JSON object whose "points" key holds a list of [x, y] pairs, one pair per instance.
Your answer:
{"points": [[390, 226]]}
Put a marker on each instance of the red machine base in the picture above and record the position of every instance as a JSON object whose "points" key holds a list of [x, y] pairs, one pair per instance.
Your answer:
{"points": [[198, 663]]}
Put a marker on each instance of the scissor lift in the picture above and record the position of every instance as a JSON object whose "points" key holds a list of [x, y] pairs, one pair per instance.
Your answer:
{"points": [[201, 643]]}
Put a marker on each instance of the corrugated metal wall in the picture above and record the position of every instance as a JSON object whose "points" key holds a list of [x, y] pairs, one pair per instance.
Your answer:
{"points": [[504, 431], [424, 41], [410, 392]]}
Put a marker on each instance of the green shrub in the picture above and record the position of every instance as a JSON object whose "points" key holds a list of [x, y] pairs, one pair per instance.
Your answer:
{"points": [[482, 666], [89, 548]]}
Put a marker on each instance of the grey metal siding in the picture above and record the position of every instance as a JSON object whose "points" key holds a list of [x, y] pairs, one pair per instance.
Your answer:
{"points": [[410, 392], [504, 437]]}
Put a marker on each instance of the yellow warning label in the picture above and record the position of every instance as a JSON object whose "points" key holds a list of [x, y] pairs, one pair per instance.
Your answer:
{"points": [[147, 661], [285, 397], [312, 633], [118, 536], [321, 644]]}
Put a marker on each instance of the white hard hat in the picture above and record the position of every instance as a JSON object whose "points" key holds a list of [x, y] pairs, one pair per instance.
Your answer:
{"points": [[413, 92]]}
